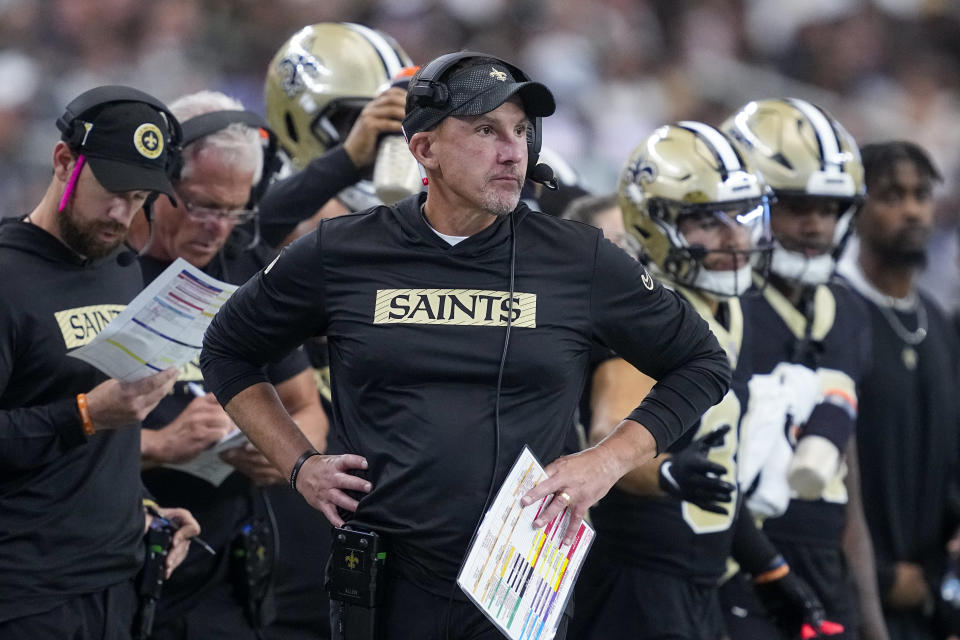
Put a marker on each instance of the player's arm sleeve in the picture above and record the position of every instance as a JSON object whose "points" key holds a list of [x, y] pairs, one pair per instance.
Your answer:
{"points": [[269, 316], [653, 329], [835, 418], [290, 201], [32, 436], [751, 548]]}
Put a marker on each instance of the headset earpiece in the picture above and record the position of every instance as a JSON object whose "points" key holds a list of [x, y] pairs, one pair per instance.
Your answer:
{"points": [[534, 143], [430, 94], [73, 132]]}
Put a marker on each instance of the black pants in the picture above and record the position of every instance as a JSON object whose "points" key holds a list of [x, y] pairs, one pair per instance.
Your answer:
{"points": [[215, 615], [411, 612], [745, 617], [615, 601], [825, 570], [303, 611], [104, 615]]}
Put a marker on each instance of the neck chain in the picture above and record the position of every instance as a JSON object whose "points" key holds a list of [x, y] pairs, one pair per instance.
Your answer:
{"points": [[912, 338]]}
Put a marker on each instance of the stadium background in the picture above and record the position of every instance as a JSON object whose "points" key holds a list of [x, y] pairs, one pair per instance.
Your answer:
{"points": [[886, 69]]}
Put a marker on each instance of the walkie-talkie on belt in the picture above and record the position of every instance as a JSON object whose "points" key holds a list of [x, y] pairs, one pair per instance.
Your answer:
{"points": [[355, 572]]}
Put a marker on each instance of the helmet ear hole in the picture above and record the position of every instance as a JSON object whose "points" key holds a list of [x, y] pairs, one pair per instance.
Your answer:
{"points": [[291, 127], [641, 231]]}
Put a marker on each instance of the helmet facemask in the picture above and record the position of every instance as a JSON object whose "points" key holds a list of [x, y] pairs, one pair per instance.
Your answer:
{"points": [[715, 247], [812, 263], [697, 208], [804, 154]]}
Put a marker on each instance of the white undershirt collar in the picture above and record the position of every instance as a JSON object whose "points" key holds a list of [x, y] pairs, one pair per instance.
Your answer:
{"points": [[451, 240]]}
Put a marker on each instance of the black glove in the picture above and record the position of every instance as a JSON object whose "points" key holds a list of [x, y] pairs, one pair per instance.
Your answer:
{"points": [[688, 475], [790, 602]]}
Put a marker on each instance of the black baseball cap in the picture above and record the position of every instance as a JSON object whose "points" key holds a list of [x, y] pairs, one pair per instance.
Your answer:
{"points": [[126, 145], [476, 89]]}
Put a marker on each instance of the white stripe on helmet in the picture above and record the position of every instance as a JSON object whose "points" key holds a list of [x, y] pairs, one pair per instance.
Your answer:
{"points": [[829, 143], [388, 54], [720, 144]]}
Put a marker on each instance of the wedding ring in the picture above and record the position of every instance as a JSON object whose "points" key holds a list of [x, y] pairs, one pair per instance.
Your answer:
{"points": [[565, 496]]}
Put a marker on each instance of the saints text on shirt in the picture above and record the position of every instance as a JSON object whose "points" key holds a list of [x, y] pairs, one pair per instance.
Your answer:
{"points": [[473, 307], [82, 324]]}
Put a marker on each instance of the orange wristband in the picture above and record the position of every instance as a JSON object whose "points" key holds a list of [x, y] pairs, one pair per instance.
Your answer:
{"points": [[84, 414], [773, 574]]}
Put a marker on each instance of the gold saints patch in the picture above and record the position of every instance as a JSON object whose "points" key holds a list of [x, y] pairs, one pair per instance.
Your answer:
{"points": [[499, 75], [462, 307], [81, 325], [148, 140]]}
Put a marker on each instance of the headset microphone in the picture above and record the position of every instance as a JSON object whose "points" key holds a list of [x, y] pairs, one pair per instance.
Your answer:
{"points": [[697, 251], [126, 258], [543, 174]]}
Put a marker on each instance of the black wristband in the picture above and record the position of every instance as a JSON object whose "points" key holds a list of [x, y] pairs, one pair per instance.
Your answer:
{"points": [[309, 453]]}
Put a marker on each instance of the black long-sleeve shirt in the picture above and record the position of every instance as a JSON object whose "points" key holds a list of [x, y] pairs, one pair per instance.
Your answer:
{"points": [[290, 201], [221, 510], [71, 518], [416, 332]]}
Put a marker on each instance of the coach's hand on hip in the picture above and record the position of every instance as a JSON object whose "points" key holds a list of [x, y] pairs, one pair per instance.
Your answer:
{"points": [[323, 479]]}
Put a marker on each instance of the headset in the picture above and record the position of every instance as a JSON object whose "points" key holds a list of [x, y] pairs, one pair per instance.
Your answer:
{"points": [[209, 123], [70, 123], [428, 90], [73, 132]]}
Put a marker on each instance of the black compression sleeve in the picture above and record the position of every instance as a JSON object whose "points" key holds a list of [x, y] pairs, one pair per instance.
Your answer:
{"points": [[751, 547], [296, 198]]}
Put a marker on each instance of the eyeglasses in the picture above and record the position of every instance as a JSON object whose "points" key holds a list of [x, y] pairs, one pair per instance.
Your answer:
{"points": [[211, 214]]}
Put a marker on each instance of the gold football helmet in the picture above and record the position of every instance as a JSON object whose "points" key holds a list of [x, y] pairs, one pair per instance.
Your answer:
{"points": [[802, 153], [686, 172], [321, 78], [799, 148]]}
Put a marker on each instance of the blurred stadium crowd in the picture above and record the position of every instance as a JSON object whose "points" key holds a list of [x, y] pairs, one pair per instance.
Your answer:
{"points": [[886, 68]]}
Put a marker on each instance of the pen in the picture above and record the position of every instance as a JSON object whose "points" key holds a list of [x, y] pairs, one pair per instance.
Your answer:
{"points": [[196, 389], [200, 541]]}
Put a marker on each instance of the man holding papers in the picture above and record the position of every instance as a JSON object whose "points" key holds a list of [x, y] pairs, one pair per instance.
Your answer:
{"points": [[460, 325], [224, 160], [70, 492]]}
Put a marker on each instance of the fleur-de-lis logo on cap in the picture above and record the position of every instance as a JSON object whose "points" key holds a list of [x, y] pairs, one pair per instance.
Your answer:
{"points": [[499, 75], [148, 140]]}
